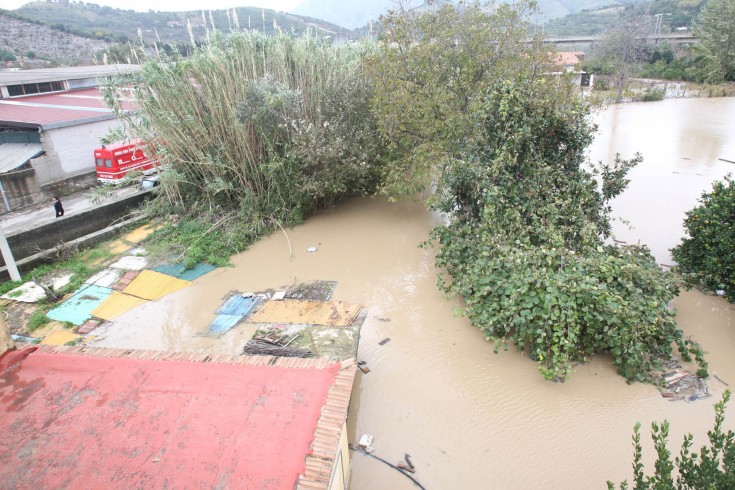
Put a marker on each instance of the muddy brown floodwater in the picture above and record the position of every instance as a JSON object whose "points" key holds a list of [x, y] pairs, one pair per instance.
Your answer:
{"points": [[470, 418]]}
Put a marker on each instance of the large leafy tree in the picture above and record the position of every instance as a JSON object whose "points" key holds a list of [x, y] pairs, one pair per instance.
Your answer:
{"points": [[715, 29], [707, 257], [525, 247], [434, 66]]}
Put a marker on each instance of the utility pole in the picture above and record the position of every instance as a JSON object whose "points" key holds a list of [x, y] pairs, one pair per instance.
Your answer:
{"points": [[8, 257]]}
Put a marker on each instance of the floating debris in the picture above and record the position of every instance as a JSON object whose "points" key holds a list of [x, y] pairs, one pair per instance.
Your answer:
{"points": [[263, 348], [278, 295], [362, 367], [312, 291], [311, 250], [365, 441], [680, 384], [384, 341]]}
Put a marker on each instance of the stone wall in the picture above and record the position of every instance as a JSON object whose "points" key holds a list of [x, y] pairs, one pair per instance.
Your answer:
{"points": [[21, 189], [29, 242]]}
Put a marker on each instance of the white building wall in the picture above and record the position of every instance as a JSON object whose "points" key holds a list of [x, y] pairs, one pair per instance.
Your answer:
{"points": [[69, 150]]}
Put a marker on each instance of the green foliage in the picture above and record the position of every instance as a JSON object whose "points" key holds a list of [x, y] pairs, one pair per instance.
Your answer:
{"points": [[707, 257], [677, 13], [652, 95], [715, 28], [273, 127], [6, 56], [713, 468], [525, 244], [432, 71], [37, 319], [203, 236]]}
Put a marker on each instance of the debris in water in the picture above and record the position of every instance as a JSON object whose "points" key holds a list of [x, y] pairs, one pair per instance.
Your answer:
{"points": [[726, 160], [278, 295], [381, 319], [384, 341], [366, 440], [248, 294], [312, 291], [680, 384], [311, 250], [262, 348], [363, 368], [361, 363], [407, 457], [405, 467]]}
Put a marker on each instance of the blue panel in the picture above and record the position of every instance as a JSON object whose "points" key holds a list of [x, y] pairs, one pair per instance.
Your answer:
{"points": [[223, 323], [78, 308], [177, 270], [237, 305]]}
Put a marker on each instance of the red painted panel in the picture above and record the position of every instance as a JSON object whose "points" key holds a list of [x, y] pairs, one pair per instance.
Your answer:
{"points": [[74, 421]]}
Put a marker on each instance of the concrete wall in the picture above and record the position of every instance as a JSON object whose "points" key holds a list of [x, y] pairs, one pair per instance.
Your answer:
{"points": [[69, 150], [25, 243], [341, 470], [21, 189]]}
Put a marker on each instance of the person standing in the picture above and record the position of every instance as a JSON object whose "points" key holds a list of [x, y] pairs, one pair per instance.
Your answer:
{"points": [[58, 207]]}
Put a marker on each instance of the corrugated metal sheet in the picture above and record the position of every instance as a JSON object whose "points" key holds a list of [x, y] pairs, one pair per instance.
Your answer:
{"points": [[105, 278], [59, 337], [237, 305], [130, 263], [223, 323], [335, 313], [153, 285], [115, 305], [78, 308], [177, 270], [141, 233], [13, 155]]}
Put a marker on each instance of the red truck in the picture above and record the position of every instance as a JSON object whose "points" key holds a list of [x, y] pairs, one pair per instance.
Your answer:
{"points": [[114, 161]]}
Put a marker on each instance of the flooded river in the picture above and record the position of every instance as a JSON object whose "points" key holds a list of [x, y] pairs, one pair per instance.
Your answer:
{"points": [[470, 418]]}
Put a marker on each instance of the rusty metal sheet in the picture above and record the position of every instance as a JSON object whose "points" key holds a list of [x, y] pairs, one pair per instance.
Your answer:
{"points": [[334, 313]]}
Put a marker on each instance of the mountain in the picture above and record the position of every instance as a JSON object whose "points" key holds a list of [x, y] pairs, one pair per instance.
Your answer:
{"points": [[674, 13], [32, 42], [170, 27], [358, 14]]}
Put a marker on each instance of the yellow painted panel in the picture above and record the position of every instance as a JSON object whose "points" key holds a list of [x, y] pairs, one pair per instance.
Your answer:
{"points": [[153, 285], [115, 305], [141, 233], [59, 337], [334, 313], [118, 246]]}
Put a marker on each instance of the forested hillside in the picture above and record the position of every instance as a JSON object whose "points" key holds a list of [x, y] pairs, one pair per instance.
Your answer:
{"points": [[170, 27], [21, 38], [674, 13]]}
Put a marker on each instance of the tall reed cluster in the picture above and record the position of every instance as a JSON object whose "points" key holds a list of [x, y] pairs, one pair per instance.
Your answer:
{"points": [[275, 126]]}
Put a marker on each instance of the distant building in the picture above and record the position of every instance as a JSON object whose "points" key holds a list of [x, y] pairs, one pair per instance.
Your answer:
{"points": [[570, 62], [50, 121]]}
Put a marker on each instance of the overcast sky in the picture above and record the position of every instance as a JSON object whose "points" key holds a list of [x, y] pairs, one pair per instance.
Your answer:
{"points": [[174, 5]]}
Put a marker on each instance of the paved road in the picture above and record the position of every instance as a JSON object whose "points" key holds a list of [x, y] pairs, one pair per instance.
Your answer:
{"points": [[40, 214]]}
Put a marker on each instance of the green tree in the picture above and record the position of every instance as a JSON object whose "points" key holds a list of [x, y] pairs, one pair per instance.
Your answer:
{"points": [[707, 257], [622, 48], [712, 468], [525, 243], [715, 28], [433, 68]]}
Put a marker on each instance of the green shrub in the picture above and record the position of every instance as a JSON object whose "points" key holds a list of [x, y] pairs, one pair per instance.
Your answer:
{"points": [[525, 244], [712, 468], [707, 257]]}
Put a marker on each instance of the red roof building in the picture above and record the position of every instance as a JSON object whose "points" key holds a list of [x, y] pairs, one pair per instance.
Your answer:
{"points": [[74, 417], [51, 120]]}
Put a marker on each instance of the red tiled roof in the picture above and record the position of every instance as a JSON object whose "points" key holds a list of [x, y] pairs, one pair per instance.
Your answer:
{"points": [[56, 109], [88, 418], [566, 58]]}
